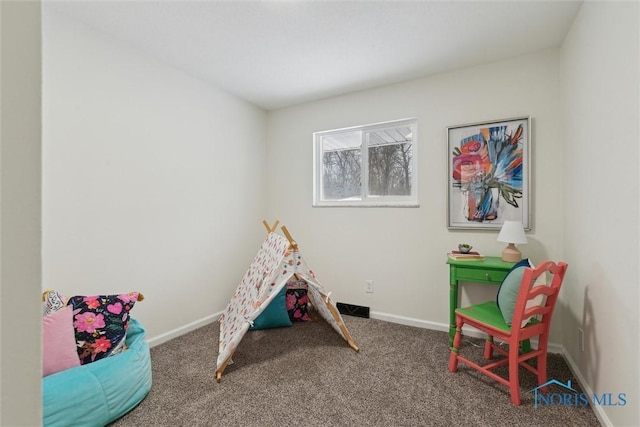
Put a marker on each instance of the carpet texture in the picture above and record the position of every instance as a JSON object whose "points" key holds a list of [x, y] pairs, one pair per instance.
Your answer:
{"points": [[307, 375]]}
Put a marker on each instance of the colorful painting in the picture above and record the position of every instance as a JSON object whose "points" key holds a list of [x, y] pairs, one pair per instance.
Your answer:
{"points": [[488, 174]]}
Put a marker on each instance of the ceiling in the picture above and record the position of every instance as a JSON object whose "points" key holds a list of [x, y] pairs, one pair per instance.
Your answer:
{"points": [[281, 53]]}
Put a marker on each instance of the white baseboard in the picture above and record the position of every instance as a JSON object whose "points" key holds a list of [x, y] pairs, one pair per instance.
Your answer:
{"points": [[183, 330], [409, 321], [472, 332], [393, 318], [597, 409]]}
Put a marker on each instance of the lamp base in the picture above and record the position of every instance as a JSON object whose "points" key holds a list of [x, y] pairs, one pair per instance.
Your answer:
{"points": [[511, 253]]}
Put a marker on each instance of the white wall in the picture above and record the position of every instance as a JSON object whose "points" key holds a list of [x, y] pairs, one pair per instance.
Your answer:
{"points": [[600, 82], [20, 199], [152, 180], [404, 249], [132, 198]]}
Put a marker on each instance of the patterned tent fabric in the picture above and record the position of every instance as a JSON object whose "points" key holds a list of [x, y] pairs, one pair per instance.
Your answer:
{"points": [[270, 270]]}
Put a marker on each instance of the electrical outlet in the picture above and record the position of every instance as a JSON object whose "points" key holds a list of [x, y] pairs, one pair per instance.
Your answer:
{"points": [[581, 339], [368, 286]]}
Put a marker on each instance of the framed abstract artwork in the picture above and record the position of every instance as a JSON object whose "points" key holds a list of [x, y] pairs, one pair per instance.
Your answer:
{"points": [[488, 174]]}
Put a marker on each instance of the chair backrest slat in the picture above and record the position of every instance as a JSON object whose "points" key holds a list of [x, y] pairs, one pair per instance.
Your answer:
{"points": [[535, 311], [540, 290], [526, 306]]}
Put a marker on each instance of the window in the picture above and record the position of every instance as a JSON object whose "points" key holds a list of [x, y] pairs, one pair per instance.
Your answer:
{"points": [[372, 165]]}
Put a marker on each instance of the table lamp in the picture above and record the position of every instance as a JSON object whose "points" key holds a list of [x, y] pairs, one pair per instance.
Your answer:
{"points": [[512, 232]]}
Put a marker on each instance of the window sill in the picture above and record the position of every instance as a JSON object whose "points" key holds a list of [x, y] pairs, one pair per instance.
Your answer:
{"points": [[366, 205]]}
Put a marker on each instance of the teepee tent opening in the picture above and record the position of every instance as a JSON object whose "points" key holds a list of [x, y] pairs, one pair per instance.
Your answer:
{"points": [[276, 263]]}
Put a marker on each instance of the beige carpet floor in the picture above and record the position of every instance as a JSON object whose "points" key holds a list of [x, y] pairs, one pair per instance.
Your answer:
{"points": [[306, 375]]}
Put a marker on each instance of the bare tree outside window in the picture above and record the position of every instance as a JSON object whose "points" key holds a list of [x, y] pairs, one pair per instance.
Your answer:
{"points": [[368, 165], [390, 163], [341, 174]]}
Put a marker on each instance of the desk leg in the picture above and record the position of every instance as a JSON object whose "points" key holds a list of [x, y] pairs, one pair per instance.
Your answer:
{"points": [[453, 304]]}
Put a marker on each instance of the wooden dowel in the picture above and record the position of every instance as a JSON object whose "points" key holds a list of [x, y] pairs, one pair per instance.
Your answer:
{"points": [[268, 227], [292, 243]]}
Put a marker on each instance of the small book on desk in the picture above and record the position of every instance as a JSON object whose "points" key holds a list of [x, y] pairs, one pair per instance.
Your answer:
{"points": [[469, 256]]}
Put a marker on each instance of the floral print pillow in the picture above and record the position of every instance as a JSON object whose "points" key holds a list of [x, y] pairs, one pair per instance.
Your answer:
{"points": [[100, 323], [297, 300]]}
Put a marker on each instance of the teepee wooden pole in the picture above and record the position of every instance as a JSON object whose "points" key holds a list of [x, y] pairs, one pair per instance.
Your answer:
{"points": [[343, 328], [269, 228], [222, 368], [292, 243]]}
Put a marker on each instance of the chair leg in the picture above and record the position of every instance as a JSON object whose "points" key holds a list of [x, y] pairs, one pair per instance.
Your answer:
{"points": [[542, 360], [514, 379], [453, 356], [488, 347]]}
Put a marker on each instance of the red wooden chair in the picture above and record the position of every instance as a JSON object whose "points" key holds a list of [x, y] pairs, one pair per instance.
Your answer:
{"points": [[488, 318]]}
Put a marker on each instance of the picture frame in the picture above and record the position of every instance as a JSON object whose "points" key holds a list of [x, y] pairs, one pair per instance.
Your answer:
{"points": [[489, 174]]}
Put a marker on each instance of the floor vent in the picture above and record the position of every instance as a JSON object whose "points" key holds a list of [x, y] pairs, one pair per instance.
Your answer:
{"points": [[353, 310]]}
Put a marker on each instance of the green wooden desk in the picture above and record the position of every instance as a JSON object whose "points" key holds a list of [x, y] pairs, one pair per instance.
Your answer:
{"points": [[491, 271]]}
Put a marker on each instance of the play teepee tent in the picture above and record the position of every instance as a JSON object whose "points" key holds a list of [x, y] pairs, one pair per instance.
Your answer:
{"points": [[277, 261]]}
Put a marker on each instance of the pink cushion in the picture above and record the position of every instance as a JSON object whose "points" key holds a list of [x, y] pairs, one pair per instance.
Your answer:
{"points": [[58, 342]]}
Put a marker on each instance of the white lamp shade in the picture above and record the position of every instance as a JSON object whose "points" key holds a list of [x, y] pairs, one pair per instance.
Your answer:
{"points": [[512, 232]]}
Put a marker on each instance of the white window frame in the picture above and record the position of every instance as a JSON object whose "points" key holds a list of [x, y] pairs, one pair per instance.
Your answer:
{"points": [[366, 200]]}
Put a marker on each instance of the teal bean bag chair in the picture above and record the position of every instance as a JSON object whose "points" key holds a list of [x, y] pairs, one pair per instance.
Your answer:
{"points": [[98, 393]]}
